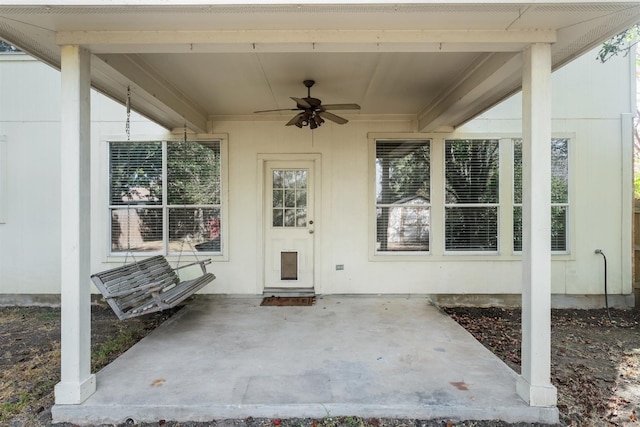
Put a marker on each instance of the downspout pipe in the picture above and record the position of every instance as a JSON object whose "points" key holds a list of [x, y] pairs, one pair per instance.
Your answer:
{"points": [[606, 297]]}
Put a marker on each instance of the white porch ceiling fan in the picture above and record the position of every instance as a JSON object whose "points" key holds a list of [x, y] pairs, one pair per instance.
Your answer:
{"points": [[312, 112]]}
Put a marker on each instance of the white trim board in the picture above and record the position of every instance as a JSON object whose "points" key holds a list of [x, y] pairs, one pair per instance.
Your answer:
{"points": [[3, 179]]}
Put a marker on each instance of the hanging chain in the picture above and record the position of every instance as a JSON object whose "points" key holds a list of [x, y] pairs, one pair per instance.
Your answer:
{"points": [[127, 127]]}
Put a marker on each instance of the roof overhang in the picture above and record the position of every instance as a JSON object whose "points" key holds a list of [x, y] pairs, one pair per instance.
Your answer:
{"points": [[440, 64]]}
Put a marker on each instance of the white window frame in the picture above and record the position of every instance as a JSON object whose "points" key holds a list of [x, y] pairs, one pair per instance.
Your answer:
{"points": [[223, 255], [374, 254]]}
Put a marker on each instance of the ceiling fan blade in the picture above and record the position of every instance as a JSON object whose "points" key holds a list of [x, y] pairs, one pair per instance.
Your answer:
{"points": [[341, 107], [279, 109], [329, 116], [294, 119], [301, 102]]}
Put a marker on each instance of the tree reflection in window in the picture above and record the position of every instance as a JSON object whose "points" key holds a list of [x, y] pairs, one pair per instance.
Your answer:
{"points": [[289, 200], [471, 205], [403, 195]]}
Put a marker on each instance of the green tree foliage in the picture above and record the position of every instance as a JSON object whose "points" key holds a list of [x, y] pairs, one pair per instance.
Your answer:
{"points": [[7, 48], [620, 44]]}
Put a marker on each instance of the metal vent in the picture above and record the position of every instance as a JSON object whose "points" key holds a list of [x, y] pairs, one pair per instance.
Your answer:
{"points": [[576, 8]]}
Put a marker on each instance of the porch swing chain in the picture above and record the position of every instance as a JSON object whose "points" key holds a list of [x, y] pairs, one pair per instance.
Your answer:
{"points": [[127, 129], [127, 126], [186, 235]]}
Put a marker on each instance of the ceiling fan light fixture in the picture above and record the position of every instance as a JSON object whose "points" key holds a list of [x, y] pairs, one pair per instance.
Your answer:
{"points": [[312, 111]]}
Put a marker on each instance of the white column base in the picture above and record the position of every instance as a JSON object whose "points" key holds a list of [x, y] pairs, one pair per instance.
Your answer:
{"points": [[74, 393], [537, 395]]}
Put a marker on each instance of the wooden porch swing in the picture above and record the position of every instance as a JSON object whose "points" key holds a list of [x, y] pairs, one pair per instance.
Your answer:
{"points": [[151, 284], [148, 286]]}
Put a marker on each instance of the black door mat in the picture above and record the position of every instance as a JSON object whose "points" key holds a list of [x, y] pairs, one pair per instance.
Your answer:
{"points": [[287, 301]]}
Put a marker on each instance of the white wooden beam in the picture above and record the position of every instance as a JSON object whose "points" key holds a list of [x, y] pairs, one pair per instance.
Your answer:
{"points": [[76, 383], [534, 384], [457, 102], [160, 101], [318, 40]]}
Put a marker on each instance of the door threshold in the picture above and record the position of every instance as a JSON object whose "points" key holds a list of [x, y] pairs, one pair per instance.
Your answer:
{"points": [[288, 292]]}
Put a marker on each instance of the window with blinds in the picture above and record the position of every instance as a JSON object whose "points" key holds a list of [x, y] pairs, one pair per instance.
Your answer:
{"points": [[471, 199], [559, 195], [403, 196], [165, 197]]}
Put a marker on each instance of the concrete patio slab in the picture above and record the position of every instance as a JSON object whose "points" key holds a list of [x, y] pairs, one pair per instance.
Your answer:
{"points": [[228, 357]]}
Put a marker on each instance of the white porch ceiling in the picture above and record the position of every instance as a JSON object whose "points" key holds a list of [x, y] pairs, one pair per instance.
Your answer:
{"points": [[438, 63]]}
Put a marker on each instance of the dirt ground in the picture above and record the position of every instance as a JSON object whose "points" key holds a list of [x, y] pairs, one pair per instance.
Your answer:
{"points": [[595, 364]]}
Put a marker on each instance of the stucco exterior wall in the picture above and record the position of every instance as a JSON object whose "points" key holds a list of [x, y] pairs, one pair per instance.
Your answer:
{"points": [[590, 101]]}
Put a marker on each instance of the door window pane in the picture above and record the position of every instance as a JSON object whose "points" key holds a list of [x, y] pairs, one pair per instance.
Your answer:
{"points": [[289, 198]]}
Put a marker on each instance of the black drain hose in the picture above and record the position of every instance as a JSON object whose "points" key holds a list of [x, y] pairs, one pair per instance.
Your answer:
{"points": [[606, 297]]}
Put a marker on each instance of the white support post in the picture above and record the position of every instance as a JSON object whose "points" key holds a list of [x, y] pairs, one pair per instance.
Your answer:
{"points": [[77, 383], [534, 384]]}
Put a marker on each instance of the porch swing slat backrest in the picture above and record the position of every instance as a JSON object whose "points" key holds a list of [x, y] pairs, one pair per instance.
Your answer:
{"points": [[147, 286], [129, 276]]}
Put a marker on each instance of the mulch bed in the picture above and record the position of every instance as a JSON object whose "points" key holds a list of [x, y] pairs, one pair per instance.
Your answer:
{"points": [[595, 362]]}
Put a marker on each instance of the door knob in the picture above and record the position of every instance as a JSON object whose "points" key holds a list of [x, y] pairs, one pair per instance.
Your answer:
{"points": [[310, 231]]}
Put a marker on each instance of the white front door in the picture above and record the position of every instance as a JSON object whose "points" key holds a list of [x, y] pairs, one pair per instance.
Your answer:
{"points": [[289, 224]]}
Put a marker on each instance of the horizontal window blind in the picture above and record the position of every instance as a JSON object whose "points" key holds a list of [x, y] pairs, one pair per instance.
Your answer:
{"points": [[471, 196], [559, 194], [165, 197], [135, 173], [403, 194]]}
